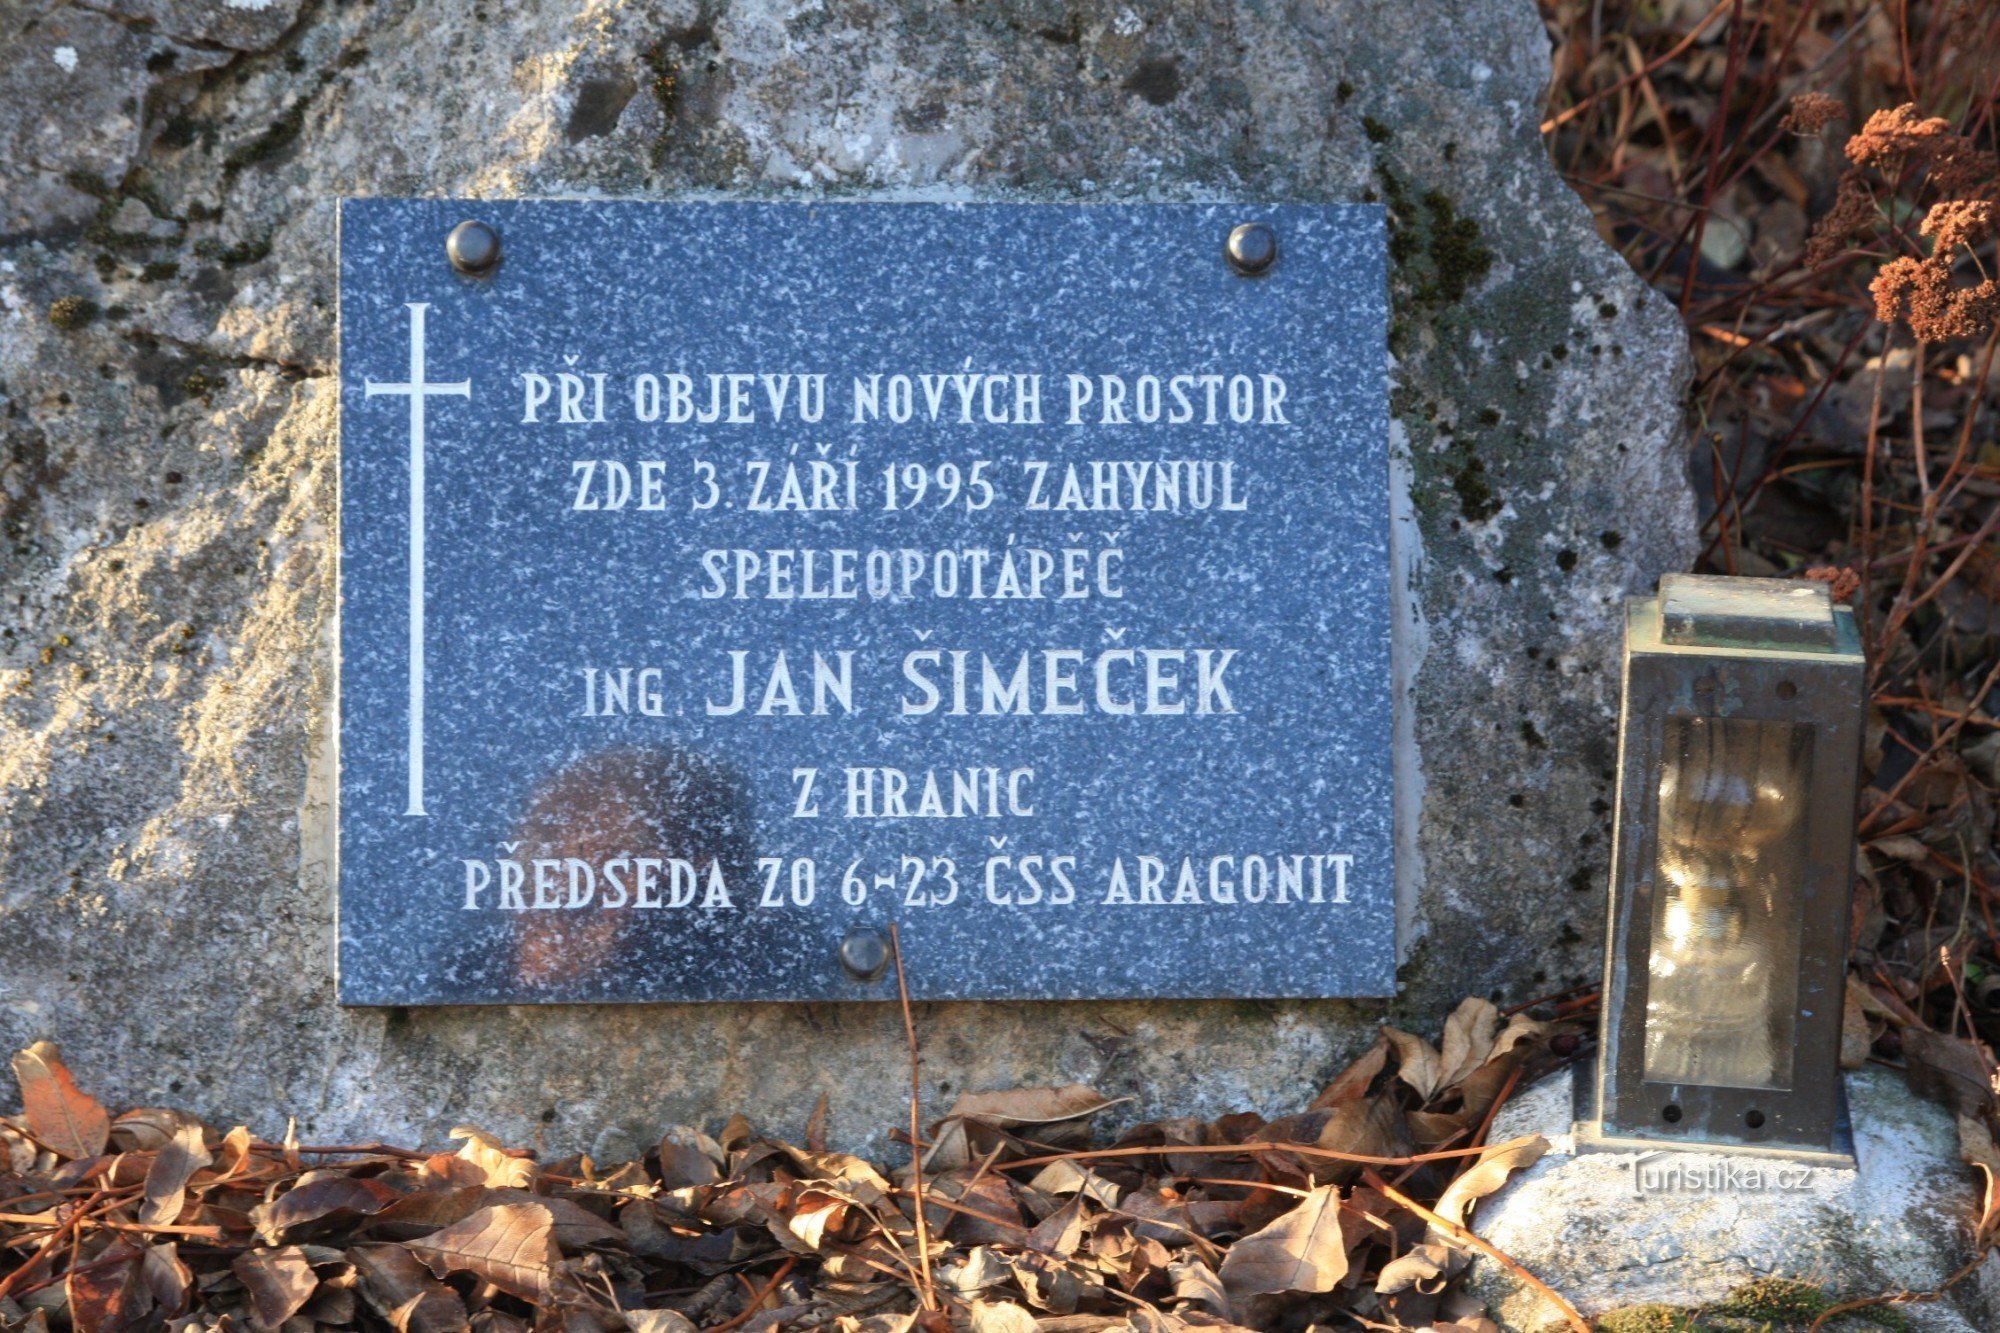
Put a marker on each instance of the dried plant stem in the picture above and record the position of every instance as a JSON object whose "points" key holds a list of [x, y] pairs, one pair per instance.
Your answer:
{"points": [[1458, 1233], [35, 1260], [1492, 1110], [757, 1297], [1944, 739], [1899, 1297], [1573, 112], [1526, 1005], [926, 1292], [952, 1205], [1250, 1185], [1239, 1149], [344, 1150], [69, 1232], [42, 1222]]}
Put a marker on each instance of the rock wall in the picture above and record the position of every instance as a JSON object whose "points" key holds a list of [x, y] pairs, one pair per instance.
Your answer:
{"points": [[168, 173]]}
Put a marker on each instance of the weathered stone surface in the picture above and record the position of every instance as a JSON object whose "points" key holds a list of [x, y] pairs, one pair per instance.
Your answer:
{"points": [[243, 25], [71, 119], [1610, 1230], [165, 909]]}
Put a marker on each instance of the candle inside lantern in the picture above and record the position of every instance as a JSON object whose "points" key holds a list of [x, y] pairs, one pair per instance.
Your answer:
{"points": [[1723, 994]]}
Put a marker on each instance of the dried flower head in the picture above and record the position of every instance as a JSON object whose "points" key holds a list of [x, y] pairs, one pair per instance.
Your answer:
{"points": [[1842, 582], [1812, 112], [1892, 141], [1963, 170], [1955, 222], [1889, 137], [1853, 211], [1920, 292]]}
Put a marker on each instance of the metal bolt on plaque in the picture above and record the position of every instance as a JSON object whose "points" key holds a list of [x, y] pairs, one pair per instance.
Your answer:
{"points": [[1252, 248], [473, 248], [864, 954]]}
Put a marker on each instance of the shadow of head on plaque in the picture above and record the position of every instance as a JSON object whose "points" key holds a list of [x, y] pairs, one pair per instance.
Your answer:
{"points": [[638, 872]]}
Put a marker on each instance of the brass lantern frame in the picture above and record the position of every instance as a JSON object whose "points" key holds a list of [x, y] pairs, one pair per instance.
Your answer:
{"points": [[1761, 651]]}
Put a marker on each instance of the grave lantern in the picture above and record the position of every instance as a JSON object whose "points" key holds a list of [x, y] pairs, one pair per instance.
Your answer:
{"points": [[1732, 862]]}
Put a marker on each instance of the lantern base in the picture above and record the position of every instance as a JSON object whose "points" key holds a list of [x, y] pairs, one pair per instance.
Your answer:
{"points": [[1591, 1136], [1693, 1230]]}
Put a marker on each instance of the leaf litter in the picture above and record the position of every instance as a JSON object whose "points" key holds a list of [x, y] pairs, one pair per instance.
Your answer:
{"points": [[1014, 1214]]}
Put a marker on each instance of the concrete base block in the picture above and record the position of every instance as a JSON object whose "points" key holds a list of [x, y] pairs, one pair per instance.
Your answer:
{"points": [[1615, 1229]]}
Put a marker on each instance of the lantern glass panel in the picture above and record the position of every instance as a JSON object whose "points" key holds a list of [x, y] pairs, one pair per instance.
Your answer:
{"points": [[1722, 994]]}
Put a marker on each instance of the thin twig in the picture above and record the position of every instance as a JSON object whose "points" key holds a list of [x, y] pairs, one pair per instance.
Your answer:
{"points": [[1458, 1233], [926, 1293], [758, 1296], [1899, 1297], [1555, 122], [1241, 1149]]}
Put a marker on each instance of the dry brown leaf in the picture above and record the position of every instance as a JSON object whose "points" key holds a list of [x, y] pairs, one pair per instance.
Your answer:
{"points": [[280, 1282], [1032, 1106], [996, 1213], [110, 1294], [168, 1281], [1427, 1267], [1302, 1250], [1182, 1321], [1196, 1283], [1061, 1231], [1948, 1070], [511, 1245], [68, 1121], [147, 1128], [167, 1179], [1416, 1061], [981, 1268], [576, 1226], [425, 1211], [816, 1126], [978, 1122], [835, 1166], [319, 1195], [659, 1321], [1856, 1035], [402, 1291], [689, 1157], [235, 1153], [17, 1150], [817, 1214], [1353, 1081], [1048, 1284], [1902, 848], [1064, 1178], [1976, 1146], [1000, 1317], [503, 1169], [950, 1149], [1519, 1028], [489, 1320], [1468, 1040], [1489, 1173], [1434, 1129]]}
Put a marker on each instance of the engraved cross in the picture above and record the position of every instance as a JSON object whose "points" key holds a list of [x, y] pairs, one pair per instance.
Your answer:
{"points": [[417, 390]]}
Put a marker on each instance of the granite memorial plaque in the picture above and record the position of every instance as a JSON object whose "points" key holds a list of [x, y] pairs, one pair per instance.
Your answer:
{"points": [[723, 582]]}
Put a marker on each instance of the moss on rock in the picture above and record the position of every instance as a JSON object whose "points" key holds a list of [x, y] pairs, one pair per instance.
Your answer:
{"points": [[70, 313]]}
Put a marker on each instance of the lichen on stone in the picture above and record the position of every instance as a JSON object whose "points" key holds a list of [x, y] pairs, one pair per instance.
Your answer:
{"points": [[70, 313]]}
